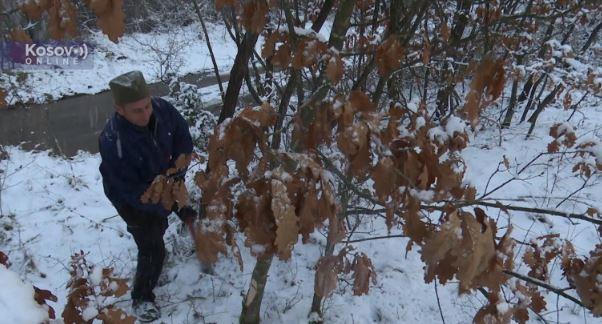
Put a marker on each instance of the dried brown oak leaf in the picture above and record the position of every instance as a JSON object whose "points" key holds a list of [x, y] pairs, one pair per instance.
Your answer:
{"points": [[255, 218], [254, 15], [385, 178], [41, 296], [467, 243], [287, 229], [327, 272], [363, 274], [18, 35], [34, 9], [62, 19], [111, 18], [586, 277], [388, 56], [335, 69]]}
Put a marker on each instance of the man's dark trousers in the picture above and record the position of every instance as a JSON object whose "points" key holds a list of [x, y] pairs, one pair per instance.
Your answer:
{"points": [[148, 230]]}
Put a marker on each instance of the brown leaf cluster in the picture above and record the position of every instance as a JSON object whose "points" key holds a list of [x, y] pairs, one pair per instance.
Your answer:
{"points": [[237, 139], [287, 227], [388, 56], [356, 119], [585, 275], [41, 296], [313, 127], [498, 310], [288, 201], [220, 4], [34, 9], [279, 56], [538, 256], [213, 233], [111, 19], [62, 19], [4, 259], [83, 291], [335, 69], [18, 35], [562, 136], [363, 274], [488, 79], [308, 52], [254, 15], [465, 247], [329, 268], [327, 271], [167, 191]]}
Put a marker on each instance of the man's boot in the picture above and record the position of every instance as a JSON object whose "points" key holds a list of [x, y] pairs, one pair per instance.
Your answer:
{"points": [[146, 311]]}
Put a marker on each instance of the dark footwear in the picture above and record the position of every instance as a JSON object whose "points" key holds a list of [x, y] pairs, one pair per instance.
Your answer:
{"points": [[146, 311]]}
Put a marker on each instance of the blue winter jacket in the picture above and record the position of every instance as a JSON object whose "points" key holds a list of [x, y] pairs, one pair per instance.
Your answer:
{"points": [[132, 156]]}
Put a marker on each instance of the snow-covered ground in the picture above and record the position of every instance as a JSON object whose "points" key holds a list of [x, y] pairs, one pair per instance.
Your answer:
{"points": [[52, 207]]}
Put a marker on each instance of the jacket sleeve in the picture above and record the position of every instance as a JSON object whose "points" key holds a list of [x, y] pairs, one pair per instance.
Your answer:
{"points": [[182, 140], [122, 184]]}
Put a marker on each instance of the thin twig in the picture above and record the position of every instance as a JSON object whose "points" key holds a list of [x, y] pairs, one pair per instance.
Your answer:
{"points": [[373, 238], [439, 303], [542, 284]]}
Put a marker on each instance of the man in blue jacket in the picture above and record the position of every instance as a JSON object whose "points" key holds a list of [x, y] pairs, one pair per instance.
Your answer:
{"points": [[141, 140]]}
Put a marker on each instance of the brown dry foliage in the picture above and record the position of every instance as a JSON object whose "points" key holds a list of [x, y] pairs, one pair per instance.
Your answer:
{"points": [[82, 291], [254, 15], [464, 247], [335, 69], [538, 257], [4, 259], [168, 190], [585, 275], [327, 271], [34, 9], [488, 78], [18, 35], [363, 274], [287, 228], [220, 4], [111, 19], [389, 55], [62, 19]]}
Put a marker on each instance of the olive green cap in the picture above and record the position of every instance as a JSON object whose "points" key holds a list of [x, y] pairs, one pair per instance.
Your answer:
{"points": [[129, 87]]}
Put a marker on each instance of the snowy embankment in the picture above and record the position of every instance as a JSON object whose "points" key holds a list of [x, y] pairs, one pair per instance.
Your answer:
{"points": [[145, 52], [53, 207]]}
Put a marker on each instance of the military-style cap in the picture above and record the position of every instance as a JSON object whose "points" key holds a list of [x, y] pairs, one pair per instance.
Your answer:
{"points": [[129, 87]]}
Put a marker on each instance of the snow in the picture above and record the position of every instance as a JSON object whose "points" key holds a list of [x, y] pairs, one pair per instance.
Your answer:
{"points": [[39, 193], [16, 300], [96, 276], [52, 207], [133, 52]]}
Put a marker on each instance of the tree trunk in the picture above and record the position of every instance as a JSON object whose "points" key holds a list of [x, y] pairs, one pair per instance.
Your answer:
{"points": [[237, 75], [251, 304], [511, 105]]}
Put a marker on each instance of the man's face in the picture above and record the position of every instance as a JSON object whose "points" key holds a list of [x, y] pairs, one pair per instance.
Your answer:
{"points": [[137, 112]]}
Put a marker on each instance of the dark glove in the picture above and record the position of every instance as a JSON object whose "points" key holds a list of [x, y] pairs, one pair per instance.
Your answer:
{"points": [[178, 176], [187, 214]]}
